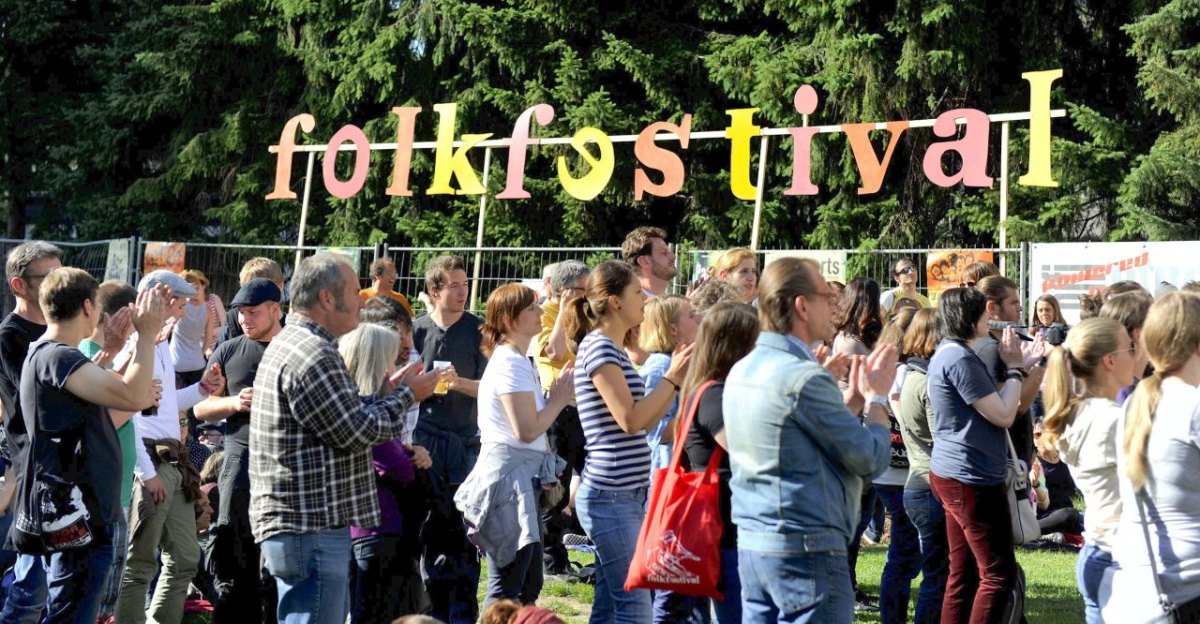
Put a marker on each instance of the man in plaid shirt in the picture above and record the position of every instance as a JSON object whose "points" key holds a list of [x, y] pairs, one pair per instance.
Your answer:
{"points": [[310, 440]]}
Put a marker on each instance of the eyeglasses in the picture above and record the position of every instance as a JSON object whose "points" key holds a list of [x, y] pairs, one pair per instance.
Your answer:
{"points": [[1130, 350], [906, 270], [966, 284], [828, 296]]}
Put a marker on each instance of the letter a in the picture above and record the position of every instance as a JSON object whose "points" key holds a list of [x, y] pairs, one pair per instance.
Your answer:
{"points": [[973, 148], [449, 161]]}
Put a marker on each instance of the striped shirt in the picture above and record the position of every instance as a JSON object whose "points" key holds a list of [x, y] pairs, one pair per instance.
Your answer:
{"points": [[615, 460]]}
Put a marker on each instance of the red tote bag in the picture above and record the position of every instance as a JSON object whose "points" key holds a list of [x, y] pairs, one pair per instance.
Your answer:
{"points": [[679, 546]]}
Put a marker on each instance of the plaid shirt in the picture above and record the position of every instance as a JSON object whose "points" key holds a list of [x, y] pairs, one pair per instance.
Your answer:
{"points": [[311, 437]]}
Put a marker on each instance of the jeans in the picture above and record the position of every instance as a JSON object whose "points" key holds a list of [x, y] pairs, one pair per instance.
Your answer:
{"points": [[120, 546], [675, 608], [671, 608], [903, 558], [926, 514], [795, 588], [385, 580], [875, 526], [310, 570], [27, 596], [235, 565], [520, 580], [866, 510], [76, 580], [983, 565], [613, 518], [1091, 568]]}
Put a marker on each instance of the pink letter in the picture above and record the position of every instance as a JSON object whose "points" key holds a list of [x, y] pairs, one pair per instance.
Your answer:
{"points": [[514, 187], [283, 162], [805, 102], [972, 147], [654, 157], [362, 159]]}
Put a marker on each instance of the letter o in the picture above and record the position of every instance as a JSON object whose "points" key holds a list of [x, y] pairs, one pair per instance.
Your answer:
{"points": [[362, 161]]}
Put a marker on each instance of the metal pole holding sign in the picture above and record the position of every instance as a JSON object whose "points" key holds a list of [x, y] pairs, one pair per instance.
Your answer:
{"points": [[1003, 192], [758, 198], [487, 164], [312, 156]]}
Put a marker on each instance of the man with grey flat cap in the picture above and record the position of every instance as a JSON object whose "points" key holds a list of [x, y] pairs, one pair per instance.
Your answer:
{"points": [[235, 555], [163, 509]]}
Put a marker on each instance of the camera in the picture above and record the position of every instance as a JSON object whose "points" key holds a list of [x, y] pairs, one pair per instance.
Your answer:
{"points": [[1056, 334]]}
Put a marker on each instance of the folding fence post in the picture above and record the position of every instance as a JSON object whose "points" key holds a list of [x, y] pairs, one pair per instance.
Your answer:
{"points": [[1003, 193], [487, 163], [312, 156], [758, 199]]}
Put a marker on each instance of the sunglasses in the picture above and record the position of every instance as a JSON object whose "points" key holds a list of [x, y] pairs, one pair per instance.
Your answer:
{"points": [[906, 270]]}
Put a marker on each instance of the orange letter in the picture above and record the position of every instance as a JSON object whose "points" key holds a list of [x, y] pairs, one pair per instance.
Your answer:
{"points": [[871, 170], [362, 160], [283, 158], [655, 157], [514, 186], [406, 119]]}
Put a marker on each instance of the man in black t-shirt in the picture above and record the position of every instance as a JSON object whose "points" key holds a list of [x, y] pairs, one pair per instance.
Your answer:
{"points": [[72, 441], [450, 334], [254, 268], [235, 555]]}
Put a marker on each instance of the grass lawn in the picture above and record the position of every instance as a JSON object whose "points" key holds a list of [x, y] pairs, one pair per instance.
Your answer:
{"points": [[1051, 597]]}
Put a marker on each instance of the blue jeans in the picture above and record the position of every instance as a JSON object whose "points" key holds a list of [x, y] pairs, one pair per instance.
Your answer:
{"points": [[866, 510], [903, 558], [613, 518], [120, 547], [520, 580], [311, 571], [27, 596], [675, 608], [76, 580], [1092, 566], [670, 607], [927, 516], [809, 588]]}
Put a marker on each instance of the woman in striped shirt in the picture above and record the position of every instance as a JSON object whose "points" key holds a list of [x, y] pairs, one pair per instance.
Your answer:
{"points": [[615, 412]]}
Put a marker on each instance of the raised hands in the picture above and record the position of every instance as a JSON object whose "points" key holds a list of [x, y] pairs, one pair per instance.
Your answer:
{"points": [[151, 310], [118, 328], [563, 386]]}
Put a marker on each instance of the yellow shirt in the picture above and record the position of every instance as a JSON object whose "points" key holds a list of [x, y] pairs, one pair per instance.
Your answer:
{"points": [[367, 293], [548, 369]]}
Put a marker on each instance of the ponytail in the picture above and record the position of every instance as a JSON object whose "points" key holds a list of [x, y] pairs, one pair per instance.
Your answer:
{"points": [[1139, 420], [580, 320], [492, 336], [1058, 395]]}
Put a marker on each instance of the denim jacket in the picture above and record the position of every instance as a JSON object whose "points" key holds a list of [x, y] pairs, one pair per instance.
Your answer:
{"points": [[799, 457]]}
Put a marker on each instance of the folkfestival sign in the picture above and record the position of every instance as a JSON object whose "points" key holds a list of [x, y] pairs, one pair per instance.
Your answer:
{"points": [[453, 173]]}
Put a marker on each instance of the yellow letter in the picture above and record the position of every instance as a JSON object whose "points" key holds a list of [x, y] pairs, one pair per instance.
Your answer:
{"points": [[283, 162], [451, 161], [594, 181], [741, 129], [1039, 173]]}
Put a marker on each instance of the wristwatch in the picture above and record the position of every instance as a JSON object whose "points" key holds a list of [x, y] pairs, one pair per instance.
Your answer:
{"points": [[881, 401]]}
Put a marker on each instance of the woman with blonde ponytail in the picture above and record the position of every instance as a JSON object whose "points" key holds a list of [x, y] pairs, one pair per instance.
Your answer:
{"points": [[1157, 464], [1080, 389]]}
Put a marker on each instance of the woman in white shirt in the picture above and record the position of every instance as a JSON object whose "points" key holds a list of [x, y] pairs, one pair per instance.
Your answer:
{"points": [[513, 411], [1081, 422], [1157, 465]]}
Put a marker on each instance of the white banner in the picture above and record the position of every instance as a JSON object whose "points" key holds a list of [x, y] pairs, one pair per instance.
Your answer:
{"points": [[1068, 270], [117, 265], [833, 263]]}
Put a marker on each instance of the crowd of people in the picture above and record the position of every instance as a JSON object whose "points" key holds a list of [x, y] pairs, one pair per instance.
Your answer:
{"points": [[350, 460]]}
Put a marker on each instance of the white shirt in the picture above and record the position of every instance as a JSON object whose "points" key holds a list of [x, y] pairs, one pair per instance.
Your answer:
{"points": [[508, 372], [1089, 447], [165, 424]]}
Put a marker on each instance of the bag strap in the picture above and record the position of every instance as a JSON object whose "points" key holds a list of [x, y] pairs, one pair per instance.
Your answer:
{"points": [[685, 426], [1163, 600]]}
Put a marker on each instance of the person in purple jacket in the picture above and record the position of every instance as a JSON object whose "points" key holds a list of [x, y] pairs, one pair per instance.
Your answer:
{"points": [[386, 576]]}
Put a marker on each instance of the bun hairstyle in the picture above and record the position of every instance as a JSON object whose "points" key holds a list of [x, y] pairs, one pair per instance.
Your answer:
{"points": [[504, 305], [1171, 336], [1078, 357], [608, 279]]}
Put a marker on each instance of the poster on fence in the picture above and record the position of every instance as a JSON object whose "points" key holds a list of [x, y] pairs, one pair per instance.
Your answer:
{"points": [[943, 269], [117, 265], [163, 256], [833, 263], [1068, 270]]}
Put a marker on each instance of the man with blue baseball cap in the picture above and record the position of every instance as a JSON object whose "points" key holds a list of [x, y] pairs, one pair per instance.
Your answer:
{"points": [[235, 555]]}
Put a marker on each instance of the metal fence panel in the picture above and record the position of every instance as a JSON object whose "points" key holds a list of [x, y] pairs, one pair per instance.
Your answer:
{"points": [[90, 256]]}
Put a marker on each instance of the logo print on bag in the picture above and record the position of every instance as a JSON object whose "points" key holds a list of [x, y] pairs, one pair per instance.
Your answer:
{"points": [[665, 562]]}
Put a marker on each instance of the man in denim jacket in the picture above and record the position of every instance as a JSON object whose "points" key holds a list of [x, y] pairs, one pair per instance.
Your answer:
{"points": [[799, 453]]}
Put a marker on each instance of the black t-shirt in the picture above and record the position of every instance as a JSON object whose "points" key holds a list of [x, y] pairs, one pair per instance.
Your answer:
{"points": [[239, 359], [1059, 485], [458, 344], [699, 446], [1021, 431], [75, 439], [16, 334]]}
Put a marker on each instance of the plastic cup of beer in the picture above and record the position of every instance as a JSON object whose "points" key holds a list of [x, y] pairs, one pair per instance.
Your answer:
{"points": [[443, 384]]}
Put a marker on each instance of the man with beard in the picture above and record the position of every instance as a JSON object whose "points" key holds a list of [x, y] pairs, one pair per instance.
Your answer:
{"points": [[647, 250], [235, 562]]}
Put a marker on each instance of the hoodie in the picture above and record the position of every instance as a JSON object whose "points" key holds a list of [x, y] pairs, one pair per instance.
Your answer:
{"points": [[1089, 447]]}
